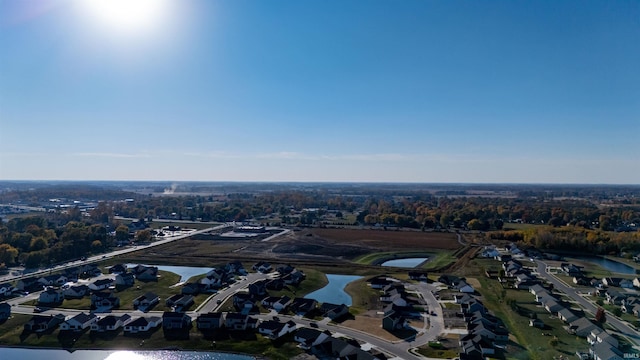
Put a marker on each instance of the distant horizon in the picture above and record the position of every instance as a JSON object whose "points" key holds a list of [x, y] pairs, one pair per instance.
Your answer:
{"points": [[312, 182]]}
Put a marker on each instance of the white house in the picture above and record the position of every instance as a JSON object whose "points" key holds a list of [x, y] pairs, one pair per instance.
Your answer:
{"points": [[142, 324], [110, 323], [274, 329], [101, 284], [79, 322]]}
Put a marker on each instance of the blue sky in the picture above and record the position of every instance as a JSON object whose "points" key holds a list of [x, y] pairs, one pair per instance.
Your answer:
{"points": [[393, 91]]}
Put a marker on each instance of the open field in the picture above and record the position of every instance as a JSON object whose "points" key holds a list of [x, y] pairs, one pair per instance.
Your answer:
{"points": [[390, 239]]}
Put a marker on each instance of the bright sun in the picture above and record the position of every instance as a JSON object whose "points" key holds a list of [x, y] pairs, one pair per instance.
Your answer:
{"points": [[128, 17]]}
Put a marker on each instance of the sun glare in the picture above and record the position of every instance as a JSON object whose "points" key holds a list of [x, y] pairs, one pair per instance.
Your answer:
{"points": [[125, 355], [129, 17]]}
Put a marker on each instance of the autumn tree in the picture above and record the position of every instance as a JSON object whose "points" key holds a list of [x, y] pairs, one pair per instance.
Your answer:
{"points": [[8, 254], [143, 236], [122, 233], [600, 316]]}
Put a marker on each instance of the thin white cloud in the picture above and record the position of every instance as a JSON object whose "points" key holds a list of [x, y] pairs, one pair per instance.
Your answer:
{"points": [[111, 155]]}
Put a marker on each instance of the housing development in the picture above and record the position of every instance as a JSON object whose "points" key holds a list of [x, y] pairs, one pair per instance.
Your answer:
{"points": [[323, 271]]}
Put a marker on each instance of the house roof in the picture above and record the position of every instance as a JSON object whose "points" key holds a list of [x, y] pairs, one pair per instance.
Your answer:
{"points": [[102, 282], [308, 334], [211, 316], [143, 321], [271, 325], [83, 318], [112, 319]]}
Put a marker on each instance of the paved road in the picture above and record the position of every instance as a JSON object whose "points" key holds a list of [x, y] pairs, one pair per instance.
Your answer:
{"points": [[622, 327]]}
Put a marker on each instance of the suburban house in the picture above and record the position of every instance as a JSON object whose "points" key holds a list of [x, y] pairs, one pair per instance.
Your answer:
{"points": [[101, 284], [379, 282], [536, 323], [581, 327], [210, 321], [275, 329], [418, 275], [238, 321], [214, 279], [463, 287], [146, 301], [88, 271], [295, 277], [145, 273], [598, 335], [626, 284], [50, 296], [192, 288], [75, 292], [393, 321], [72, 274], [243, 301], [175, 321], [341, 349], [611, 281], [110, 323], [5, 311], [79, 322], [308, 337], [28, 284], [334, 311], [172, 299], [183, 303], [552, 306], [118, 269], [142, 324], [282, 304], [43, 323], [302, 305], [571, 269], [605, 351], [258, 288], [567, 315], [262, 267], [53, 280], [104, 299], [125, 279]]}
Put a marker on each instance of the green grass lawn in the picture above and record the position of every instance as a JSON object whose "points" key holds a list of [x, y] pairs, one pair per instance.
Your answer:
{"points": [[363, 297], [437, 259], [430, 352]]}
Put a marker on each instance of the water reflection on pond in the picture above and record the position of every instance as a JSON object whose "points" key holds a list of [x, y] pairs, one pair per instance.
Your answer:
{"points": [[51, 354], [610, 265], [405, 263], [185, 272], [334, 292]]}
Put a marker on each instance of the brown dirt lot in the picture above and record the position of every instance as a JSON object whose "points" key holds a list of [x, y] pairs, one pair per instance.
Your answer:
{"points": [[387, 240], [369, 325], [359, 241]]}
